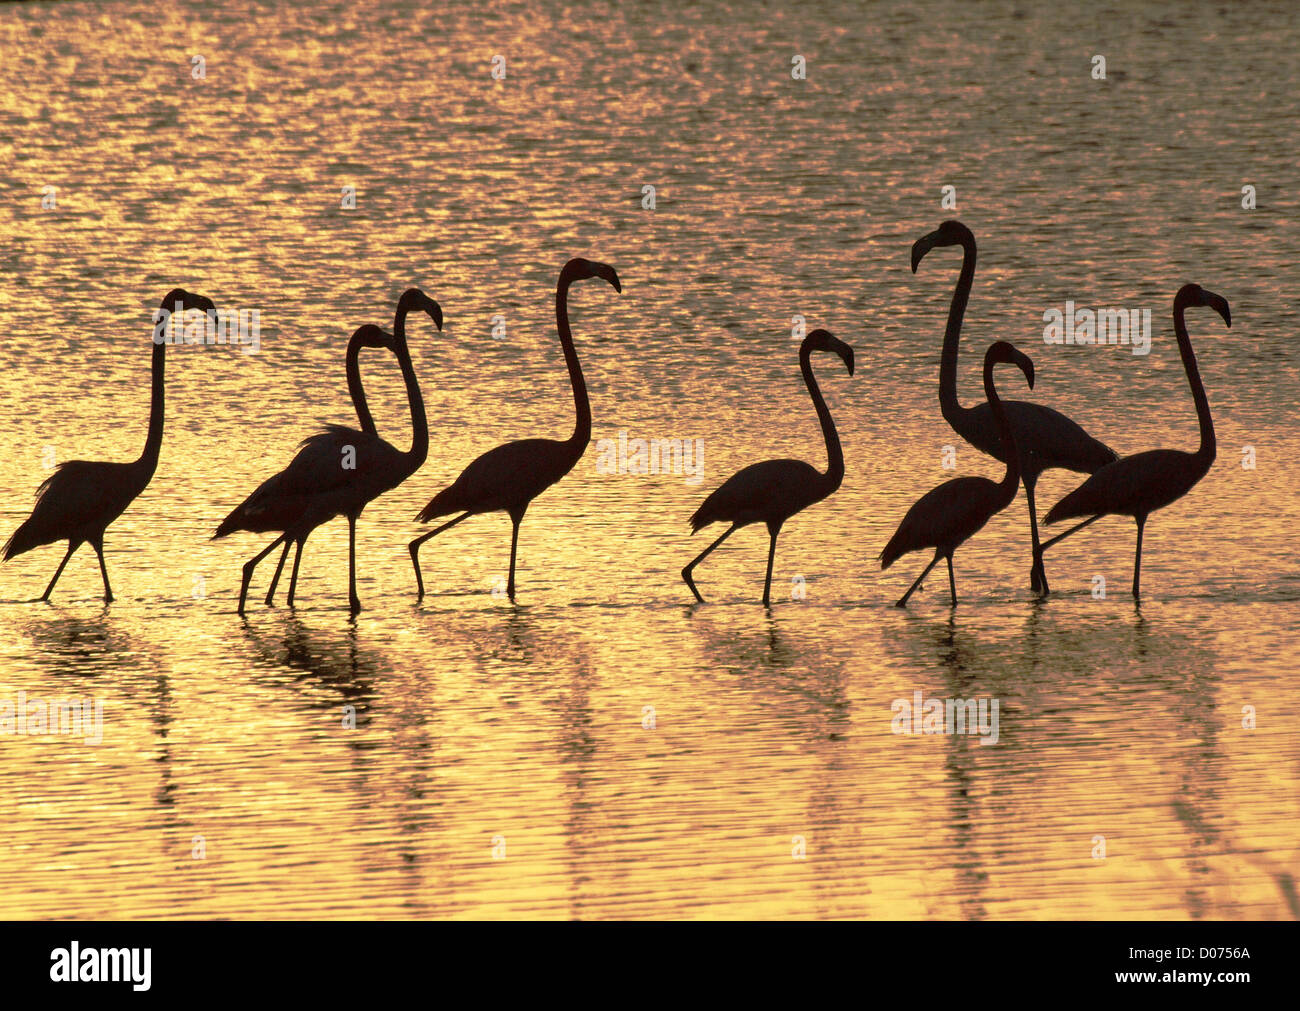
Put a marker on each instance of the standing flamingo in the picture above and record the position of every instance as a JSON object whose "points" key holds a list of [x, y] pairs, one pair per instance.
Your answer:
{"points": [[947, 516], [510, 476], [774, 490], [337, 471], [81, 498], [411, 299], [1046, 438], [1140, 484]]}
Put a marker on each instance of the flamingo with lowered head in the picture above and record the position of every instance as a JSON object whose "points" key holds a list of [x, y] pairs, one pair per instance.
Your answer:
{"points": [[774, 490], [337, 471], [1045, 438], [947, 516], [510, 476], [81, 498], [1140, 484]]}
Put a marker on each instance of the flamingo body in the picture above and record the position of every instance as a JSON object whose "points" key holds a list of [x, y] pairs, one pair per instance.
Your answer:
{"points": [[505, 478], [767, 492], [946, 516]]}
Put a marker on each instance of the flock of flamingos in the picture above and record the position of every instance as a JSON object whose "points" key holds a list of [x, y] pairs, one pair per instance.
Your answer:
{"points": [[340, 470]]}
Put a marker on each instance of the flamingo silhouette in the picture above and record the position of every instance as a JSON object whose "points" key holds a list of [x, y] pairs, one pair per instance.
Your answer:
{"points": [[774, 490], [338, 470], [1046, 438], [1138, 485], [510, 476], [81, 498], [411, 299], [947, 516]]}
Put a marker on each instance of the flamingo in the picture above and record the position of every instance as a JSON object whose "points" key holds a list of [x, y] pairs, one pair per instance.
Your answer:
{"points": [[947, 516], [1046, 437], [774, 490], [411, 299], [338, 470], [510, 476], [81, 498], [1138, 485]]}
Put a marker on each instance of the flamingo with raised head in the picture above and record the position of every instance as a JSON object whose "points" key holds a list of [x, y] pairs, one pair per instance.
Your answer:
{"points": [[1046, 438], [510, 476], [774, 490], [947, 516], [338, 471], [1140, 484], [81, 498], [411, 299]]}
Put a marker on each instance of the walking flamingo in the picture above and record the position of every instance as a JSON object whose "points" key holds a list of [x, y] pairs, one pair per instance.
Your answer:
{"points": [[339, 470], [510, 476], [947, 516], [774, 490], [411, 299], [1046, 438], [1140, 484], [81, 498]]}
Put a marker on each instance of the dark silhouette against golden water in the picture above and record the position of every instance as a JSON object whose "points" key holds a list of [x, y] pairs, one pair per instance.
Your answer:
{"points": [[774, 490], [82, 497], [1045, 438], [1140, 484], [509, 477], [949, 515], [581, 739]]}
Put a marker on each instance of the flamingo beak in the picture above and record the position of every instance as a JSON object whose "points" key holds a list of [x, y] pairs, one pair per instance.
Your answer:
{"points": [[919, 248], [435, 311], [1220, 305]]}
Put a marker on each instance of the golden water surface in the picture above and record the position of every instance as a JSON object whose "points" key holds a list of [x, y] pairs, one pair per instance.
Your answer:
{"points": [[601, 749]]}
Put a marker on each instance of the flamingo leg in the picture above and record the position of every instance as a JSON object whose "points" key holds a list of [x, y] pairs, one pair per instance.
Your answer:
{"points": [[686, 572], [1037, 573], [275, 580], [353, 601], [1074, 529], [98, 545], [933, 562], [293, 576], [59, 571], [414, 548], [952, 582], [771, 557], [514, 545], [1137, 557], [250, 565]]}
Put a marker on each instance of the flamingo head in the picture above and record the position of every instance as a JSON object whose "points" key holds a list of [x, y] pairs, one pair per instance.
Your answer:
{"points": [[579, 269], [1005, 353], [371, 336], [179, 300], [950, 233], [413, 299], [1194, 294], [824, 340]]}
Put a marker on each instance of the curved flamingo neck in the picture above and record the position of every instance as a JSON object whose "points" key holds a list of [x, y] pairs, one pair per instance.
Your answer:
{"points": [[582, 405], [356, 390], [419, 420], [153, 442], [1012, 476], [834, 454], [948, 404], [1207, 449]]}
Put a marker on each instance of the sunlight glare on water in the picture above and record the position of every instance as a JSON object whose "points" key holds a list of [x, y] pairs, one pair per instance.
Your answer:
{"points": [[602, 750]]}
